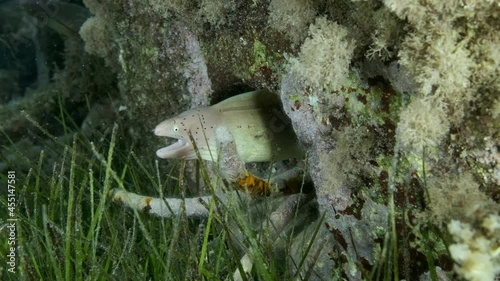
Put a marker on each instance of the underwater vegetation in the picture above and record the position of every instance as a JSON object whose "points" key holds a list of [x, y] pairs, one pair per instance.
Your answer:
{"points": [[395, 103]]}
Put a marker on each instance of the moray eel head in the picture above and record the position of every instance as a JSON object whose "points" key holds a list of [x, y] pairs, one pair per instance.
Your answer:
{"points": [[200, 123]]}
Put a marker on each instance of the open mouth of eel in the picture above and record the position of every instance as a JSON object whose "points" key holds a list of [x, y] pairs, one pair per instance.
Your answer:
{"points": [[176, 150]]}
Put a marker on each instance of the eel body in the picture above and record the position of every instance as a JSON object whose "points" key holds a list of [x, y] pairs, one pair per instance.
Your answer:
{"points": [[261, 131]]}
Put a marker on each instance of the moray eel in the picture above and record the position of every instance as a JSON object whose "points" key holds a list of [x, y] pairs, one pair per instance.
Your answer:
{"points": [[261, 131]]}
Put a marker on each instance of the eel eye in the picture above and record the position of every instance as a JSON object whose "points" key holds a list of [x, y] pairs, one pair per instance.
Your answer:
{"points": [[175, 129]]}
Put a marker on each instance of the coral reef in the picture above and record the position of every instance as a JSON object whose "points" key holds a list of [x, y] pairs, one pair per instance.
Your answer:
{"points": [[215, 12], [396, 102], [96, 36], [291, 17], [450, 58], [324, 56], [463, 191], [422, 125]]}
